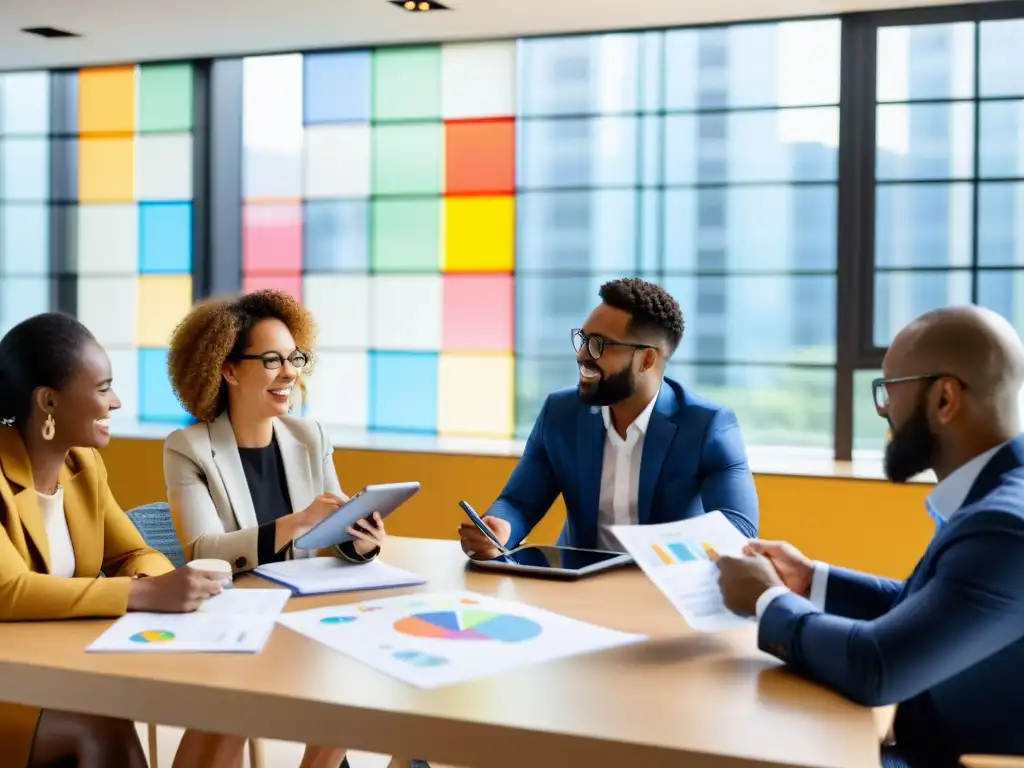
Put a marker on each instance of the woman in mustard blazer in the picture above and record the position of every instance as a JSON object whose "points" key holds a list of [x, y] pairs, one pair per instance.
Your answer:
{"points": [[60, 529]]}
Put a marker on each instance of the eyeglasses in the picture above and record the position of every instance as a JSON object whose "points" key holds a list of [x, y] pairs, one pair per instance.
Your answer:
{"points": [[880, 387], [272, 361], [595, 344]]}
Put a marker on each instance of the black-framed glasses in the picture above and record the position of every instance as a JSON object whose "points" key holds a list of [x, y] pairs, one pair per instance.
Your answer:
{"points": [[595, 344], [880, 386], [272, 360]]}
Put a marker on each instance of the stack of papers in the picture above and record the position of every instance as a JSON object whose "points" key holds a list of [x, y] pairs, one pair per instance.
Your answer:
{"points": [[236, 621], [676, 557], [321, 575]]}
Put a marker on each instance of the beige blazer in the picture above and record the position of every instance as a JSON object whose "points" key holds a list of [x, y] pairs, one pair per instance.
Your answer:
{"points": [[209, 497]]}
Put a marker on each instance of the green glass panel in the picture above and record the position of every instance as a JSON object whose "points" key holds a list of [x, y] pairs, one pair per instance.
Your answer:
{"points": [[165, 98], [407, 235], [408, 159], [407, 83]]}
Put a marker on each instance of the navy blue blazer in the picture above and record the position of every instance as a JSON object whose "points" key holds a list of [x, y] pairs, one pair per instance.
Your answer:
{"points": [[693, 460], [947, 644]]}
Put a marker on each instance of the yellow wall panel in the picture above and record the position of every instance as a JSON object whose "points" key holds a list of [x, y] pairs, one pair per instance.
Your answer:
{"points": [[106, 100], [870, 525], [106, 170], [163, 301], [479, 234]]}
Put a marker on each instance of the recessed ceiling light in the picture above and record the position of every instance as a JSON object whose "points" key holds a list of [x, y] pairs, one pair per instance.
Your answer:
{"points": [[49, 32], [419, 6]]}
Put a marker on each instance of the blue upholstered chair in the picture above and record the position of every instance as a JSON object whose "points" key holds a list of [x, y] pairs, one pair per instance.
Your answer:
{"points": [[154, 522]]}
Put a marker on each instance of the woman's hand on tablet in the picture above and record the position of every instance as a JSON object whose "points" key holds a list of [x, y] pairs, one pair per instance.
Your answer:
{"points": [[322, 506], [290, 527], [368, 534]]}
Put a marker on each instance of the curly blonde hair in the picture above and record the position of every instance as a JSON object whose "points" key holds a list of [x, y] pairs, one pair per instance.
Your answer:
{"points": [[217, 330]]}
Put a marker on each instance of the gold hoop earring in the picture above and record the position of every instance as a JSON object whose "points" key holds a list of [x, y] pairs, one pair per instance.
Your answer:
{"points": [[49, 427]]}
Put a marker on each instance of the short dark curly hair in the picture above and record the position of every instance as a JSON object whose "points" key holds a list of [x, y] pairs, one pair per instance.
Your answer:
{"points": [[652, 310], [217, 330]]}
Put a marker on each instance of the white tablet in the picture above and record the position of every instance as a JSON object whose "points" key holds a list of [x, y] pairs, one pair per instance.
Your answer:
{"points": [[384, 499], [555, 562]]}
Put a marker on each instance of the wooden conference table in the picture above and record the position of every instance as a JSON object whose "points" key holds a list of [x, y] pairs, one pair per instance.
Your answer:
{"points": [[682, 698]]}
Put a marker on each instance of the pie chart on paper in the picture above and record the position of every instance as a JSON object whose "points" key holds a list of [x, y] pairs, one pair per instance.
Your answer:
{"points": [[152, 636], [469, 625]]}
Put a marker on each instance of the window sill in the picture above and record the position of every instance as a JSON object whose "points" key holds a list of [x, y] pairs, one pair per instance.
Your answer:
{"points": [[764, 460]]}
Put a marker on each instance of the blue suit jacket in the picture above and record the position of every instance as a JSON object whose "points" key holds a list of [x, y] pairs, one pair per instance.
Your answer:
{"points": [[693, 460], [947, 644]]}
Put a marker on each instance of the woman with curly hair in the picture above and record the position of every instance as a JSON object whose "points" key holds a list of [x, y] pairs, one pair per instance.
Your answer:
{"points": [[247, 479]]}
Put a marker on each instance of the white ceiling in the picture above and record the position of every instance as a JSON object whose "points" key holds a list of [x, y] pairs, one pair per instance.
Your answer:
{"points": [[137, 30]]}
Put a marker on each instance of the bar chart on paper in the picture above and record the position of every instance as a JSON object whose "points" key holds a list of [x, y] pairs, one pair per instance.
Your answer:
{"points": [[673, 552], [678, 557]]}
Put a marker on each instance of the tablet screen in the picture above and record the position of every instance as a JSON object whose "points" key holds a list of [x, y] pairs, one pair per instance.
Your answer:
{"points": [[554, 557]]}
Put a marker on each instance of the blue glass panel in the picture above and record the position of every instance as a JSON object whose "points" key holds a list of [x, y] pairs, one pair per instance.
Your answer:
{"points": [[336, 236], [403, 391], [23, 297], [336, 87], [165, 238], [604, 152], [24, 240], [157, 402], [577, 232], [24, 169]]}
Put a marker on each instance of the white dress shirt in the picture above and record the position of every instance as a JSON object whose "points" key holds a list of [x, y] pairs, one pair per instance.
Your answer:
{"points": [[620, 476], [945, 499], [62, 554]]}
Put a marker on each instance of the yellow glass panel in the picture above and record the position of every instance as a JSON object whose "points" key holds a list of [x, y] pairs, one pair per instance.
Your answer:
{"points": [[163, 301], [106, 171], [479, 234], [475, 395], [106, 100]]}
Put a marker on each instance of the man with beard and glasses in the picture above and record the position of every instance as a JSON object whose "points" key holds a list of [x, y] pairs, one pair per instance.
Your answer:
{"points": [[626, 445], [946, 644]]}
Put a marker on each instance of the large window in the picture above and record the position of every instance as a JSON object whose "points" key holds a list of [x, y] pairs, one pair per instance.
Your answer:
{"points": [[131, 136], [948, 182], [949, 170], [705, 160], [378, 187], [803, 188], [96, 213], [26, 284], [394, 190]]}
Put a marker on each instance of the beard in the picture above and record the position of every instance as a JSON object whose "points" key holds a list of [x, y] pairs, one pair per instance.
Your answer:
{"points": [[912, 449], [609, 389]]}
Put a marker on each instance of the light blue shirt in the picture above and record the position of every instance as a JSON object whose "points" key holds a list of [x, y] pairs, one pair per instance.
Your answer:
{"points": [[942, 503]]}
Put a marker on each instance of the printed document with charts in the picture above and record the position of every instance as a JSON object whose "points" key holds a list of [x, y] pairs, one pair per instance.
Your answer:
{"points": [[675, 556], [235, 621]]}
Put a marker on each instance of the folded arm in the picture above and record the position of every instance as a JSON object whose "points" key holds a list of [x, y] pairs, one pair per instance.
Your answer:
{"points": [[969, 610], [531, 488], [857, 595], [26, 595], [728, 484]]}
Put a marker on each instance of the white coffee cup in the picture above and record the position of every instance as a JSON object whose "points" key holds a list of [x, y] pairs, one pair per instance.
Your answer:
{"points": [[217, 568]]}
